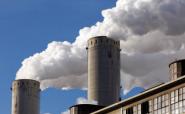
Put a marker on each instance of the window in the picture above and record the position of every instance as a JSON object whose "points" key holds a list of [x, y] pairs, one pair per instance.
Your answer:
{"points": [[124, 111], [180, 94], [155, 104], [172, 97], [145, 107], [96, 41], [150, 106], [139, 108], [129, 110], [135, 110]]}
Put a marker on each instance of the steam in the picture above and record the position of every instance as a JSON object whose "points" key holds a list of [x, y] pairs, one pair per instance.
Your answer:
{"points": [[81, 100], [152, 34]]}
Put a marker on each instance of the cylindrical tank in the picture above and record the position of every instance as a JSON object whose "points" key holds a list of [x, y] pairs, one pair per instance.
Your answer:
{"points": [[25, 97], [177, 69], [103, 70], [84, 108]]}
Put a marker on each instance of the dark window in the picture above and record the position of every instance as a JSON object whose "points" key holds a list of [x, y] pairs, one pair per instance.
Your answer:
{"points": [[145, 108], [183, 67], [96, 41], [129, 111]]}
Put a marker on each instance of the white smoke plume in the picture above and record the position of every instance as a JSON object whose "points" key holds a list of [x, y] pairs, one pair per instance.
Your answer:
{"points": [[152, 34], [81, 100], [66, 112]]}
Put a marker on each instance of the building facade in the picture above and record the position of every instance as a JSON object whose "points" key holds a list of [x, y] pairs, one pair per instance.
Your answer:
{"points": [[167, 98]]}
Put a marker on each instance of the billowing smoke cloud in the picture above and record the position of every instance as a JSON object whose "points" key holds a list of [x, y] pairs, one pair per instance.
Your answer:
{"points": [[66, 112], [152, 34], [81, 100]]}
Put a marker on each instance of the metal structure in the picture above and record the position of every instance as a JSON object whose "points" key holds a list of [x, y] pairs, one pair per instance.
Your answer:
{"points": [[177, 69], [84, 108], [103, 70], [25, 97]]}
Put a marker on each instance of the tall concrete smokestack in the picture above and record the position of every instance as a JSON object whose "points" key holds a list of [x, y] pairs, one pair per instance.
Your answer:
{"points": [[103, 70], [25, 97]]}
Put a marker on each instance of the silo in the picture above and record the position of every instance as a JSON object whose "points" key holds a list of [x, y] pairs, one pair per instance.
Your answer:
{"points": [[177, 69], [103, 70], [25, 97]]}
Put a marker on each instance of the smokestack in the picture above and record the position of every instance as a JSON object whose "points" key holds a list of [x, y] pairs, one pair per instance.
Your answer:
{"points": [[103, 70], [84, 108], [177, 69], [25, 97]]}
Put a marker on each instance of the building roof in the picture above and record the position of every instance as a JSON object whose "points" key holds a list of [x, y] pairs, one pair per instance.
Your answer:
{"points": [[143, 95]]}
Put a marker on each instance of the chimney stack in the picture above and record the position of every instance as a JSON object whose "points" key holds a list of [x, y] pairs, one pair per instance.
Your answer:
{"points": [[103, 70], [25, 97]]}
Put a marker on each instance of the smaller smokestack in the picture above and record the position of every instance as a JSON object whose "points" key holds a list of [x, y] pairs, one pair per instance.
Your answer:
{"points": [[25, 97], [84, 108], [177, 69]]}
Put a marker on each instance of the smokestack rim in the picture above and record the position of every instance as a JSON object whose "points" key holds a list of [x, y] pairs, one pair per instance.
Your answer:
{"points": [[106, 37], [177, 61], [30, 80], [85, 105], [102, 40], [35, 83]]}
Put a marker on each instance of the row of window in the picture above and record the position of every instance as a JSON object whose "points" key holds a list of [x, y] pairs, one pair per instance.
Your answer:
{"points": [[173, 102]]}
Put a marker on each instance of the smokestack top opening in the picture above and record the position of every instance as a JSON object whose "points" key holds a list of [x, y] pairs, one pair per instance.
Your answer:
{"points": [[102, 40]]}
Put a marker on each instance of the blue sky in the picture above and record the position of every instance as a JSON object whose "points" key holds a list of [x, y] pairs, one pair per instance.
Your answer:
{"points": [[27, 26]]}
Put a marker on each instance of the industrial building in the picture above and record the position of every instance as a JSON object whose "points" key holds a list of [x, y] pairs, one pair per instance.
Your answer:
{"points": [[167, 98], [104, 87]]}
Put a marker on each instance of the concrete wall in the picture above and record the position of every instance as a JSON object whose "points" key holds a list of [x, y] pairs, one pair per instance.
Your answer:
{"points": [[25, 97], [103, 70], [118, 111]]}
